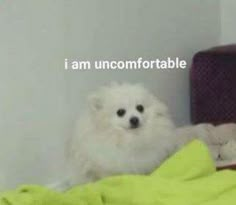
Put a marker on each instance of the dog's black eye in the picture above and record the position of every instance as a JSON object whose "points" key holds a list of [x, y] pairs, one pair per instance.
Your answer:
{"points": [[121, 112], [140, 108]]}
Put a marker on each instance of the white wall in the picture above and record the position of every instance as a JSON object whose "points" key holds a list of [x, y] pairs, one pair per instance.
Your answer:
{"points": [[228, 18], [33, 108], [129, 29], [39, 100]]}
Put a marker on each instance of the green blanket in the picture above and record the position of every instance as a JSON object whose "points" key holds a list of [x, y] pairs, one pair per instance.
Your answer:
{"points": [[187, 178]]}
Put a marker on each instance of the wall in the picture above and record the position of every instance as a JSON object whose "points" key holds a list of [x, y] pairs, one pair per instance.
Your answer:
{"points": [[228, 17], [40, 100]]}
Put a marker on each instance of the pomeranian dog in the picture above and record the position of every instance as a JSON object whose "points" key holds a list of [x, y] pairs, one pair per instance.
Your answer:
{"points": [[126, 130]]}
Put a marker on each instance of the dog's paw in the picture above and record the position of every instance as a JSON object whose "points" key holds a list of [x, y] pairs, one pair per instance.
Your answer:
{"points": [[228, 150]]}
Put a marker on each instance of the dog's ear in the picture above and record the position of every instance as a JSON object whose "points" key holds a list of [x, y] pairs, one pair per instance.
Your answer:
{"points": [[112, 84], [162, 109], [95, 102]]}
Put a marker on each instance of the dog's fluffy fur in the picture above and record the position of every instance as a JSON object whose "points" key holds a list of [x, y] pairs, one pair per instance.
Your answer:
{"points": [[106, 144], [220, 139]]}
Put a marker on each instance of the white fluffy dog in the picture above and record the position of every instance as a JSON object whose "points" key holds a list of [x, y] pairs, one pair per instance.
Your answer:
{"points": [[125, 130]]}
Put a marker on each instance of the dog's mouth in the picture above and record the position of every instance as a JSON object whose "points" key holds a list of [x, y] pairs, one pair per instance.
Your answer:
{"points": [[133, 127]]}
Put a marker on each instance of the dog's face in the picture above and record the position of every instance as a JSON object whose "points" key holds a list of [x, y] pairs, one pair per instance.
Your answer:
{"points": [[127, 107], [127, 111]]}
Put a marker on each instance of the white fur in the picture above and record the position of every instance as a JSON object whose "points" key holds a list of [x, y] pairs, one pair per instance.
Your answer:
{"points": [[228, 150], [220, 139], [105, 145]]}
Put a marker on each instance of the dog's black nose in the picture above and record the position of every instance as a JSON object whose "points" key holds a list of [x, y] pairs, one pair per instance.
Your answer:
{"points": [[134, 122]]}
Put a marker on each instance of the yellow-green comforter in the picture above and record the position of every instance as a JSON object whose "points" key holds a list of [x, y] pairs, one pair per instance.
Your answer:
{"points": [[187, 178]]}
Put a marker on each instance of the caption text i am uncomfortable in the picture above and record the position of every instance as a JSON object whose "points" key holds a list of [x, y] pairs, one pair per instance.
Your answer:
{"points": [[140, 63]]}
